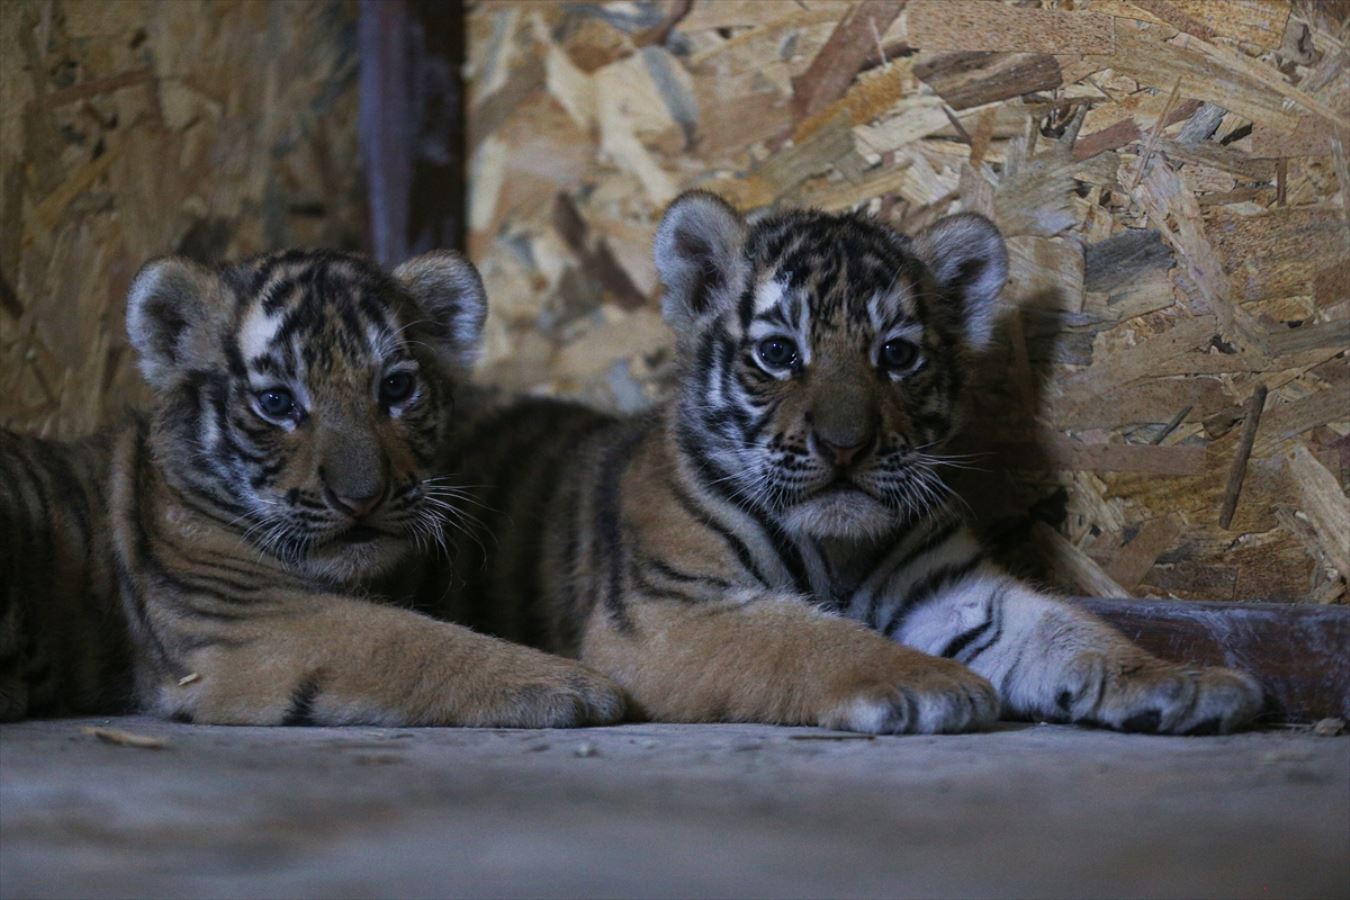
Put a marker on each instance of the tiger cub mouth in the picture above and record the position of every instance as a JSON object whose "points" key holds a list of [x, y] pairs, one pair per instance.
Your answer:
{"points": [[839, 485], [361, 534]]}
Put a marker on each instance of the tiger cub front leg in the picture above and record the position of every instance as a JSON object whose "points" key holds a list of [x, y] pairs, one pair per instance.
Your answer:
{"points": [[341, 661], [1055, 662], [774, 659]]}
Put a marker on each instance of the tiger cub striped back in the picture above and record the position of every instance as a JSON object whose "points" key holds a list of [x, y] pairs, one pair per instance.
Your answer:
{"points": [[241, 554], [776, 542], [64, 643]]}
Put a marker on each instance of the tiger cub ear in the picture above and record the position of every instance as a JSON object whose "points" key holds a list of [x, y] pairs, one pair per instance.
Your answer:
{"points": [[698, 256], [967, 255], [171, 308], [449, 293]]}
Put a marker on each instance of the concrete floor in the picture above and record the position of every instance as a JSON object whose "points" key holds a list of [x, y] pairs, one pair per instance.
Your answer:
{"points": [[666, 810]]}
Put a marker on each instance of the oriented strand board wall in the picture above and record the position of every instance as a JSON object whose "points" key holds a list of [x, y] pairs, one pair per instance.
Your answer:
{"points": [[131, 129], [1171, 174]]}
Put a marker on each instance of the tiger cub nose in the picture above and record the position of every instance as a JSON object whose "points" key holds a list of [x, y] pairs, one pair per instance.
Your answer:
{"points": [[839, 452], [355, 503]]}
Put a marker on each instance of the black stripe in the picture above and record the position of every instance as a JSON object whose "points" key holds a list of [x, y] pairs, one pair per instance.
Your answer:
{"points": [[141, 615], [704, 357], [790, 555], [935, 581], [211, 585], [996, 609], [234, 358], [301, 709], [637, 571], [541, 488], [272, 263], [72, 493], [22, 540], [714, 480], [40, 552], [518, 429], [667, 571], [188, 610], [930, 543], [123, 566], [147, 563], [960, 641], [746, 308], [202, 640], [726, 357], [755, 427], [833, 601], [927, 545], [706, 518], [926, 589], [571, 615], [607, 524], [210, 572]]}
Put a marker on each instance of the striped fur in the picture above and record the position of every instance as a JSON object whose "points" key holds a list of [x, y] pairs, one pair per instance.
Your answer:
{"points": [[776, 543], [246, 553]]}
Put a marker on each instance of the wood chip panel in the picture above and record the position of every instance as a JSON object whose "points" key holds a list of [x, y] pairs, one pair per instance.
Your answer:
{"points": [[133, 129]]}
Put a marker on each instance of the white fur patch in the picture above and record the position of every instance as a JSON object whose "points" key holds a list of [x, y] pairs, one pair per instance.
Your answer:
{"points": [[869, 716], [768, 295], [258, 331], [852, 515]]}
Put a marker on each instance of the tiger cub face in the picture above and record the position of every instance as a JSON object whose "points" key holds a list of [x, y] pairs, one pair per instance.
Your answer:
{"points": [[823, 356], [307, 396]]}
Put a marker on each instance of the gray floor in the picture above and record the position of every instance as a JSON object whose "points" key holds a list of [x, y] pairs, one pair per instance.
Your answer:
{"points": [[665, 810]]}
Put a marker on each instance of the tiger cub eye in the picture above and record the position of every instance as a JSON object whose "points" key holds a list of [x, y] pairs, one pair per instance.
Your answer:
{"points": [[396, 388], [276, 403], [897, 355], [776, 352]]}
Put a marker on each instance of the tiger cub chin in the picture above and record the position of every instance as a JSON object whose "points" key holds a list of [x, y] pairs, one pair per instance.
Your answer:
{"points": [[776, 544], [224, 559]]}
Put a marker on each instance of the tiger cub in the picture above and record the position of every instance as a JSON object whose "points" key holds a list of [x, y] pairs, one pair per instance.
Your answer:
{"points": [[221, 560], [775, 544]]}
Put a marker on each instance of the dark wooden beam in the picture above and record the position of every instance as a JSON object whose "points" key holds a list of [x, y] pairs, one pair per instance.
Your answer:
{"points": [[412, 124], [1300, 654]]}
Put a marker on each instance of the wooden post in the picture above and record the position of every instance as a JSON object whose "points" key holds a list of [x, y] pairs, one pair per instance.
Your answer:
{"points": [[412, 124]]}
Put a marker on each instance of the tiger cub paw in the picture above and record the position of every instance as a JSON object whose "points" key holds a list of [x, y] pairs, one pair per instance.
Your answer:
{"points": [[934, 696], [552, 692], [1145, 694]]}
